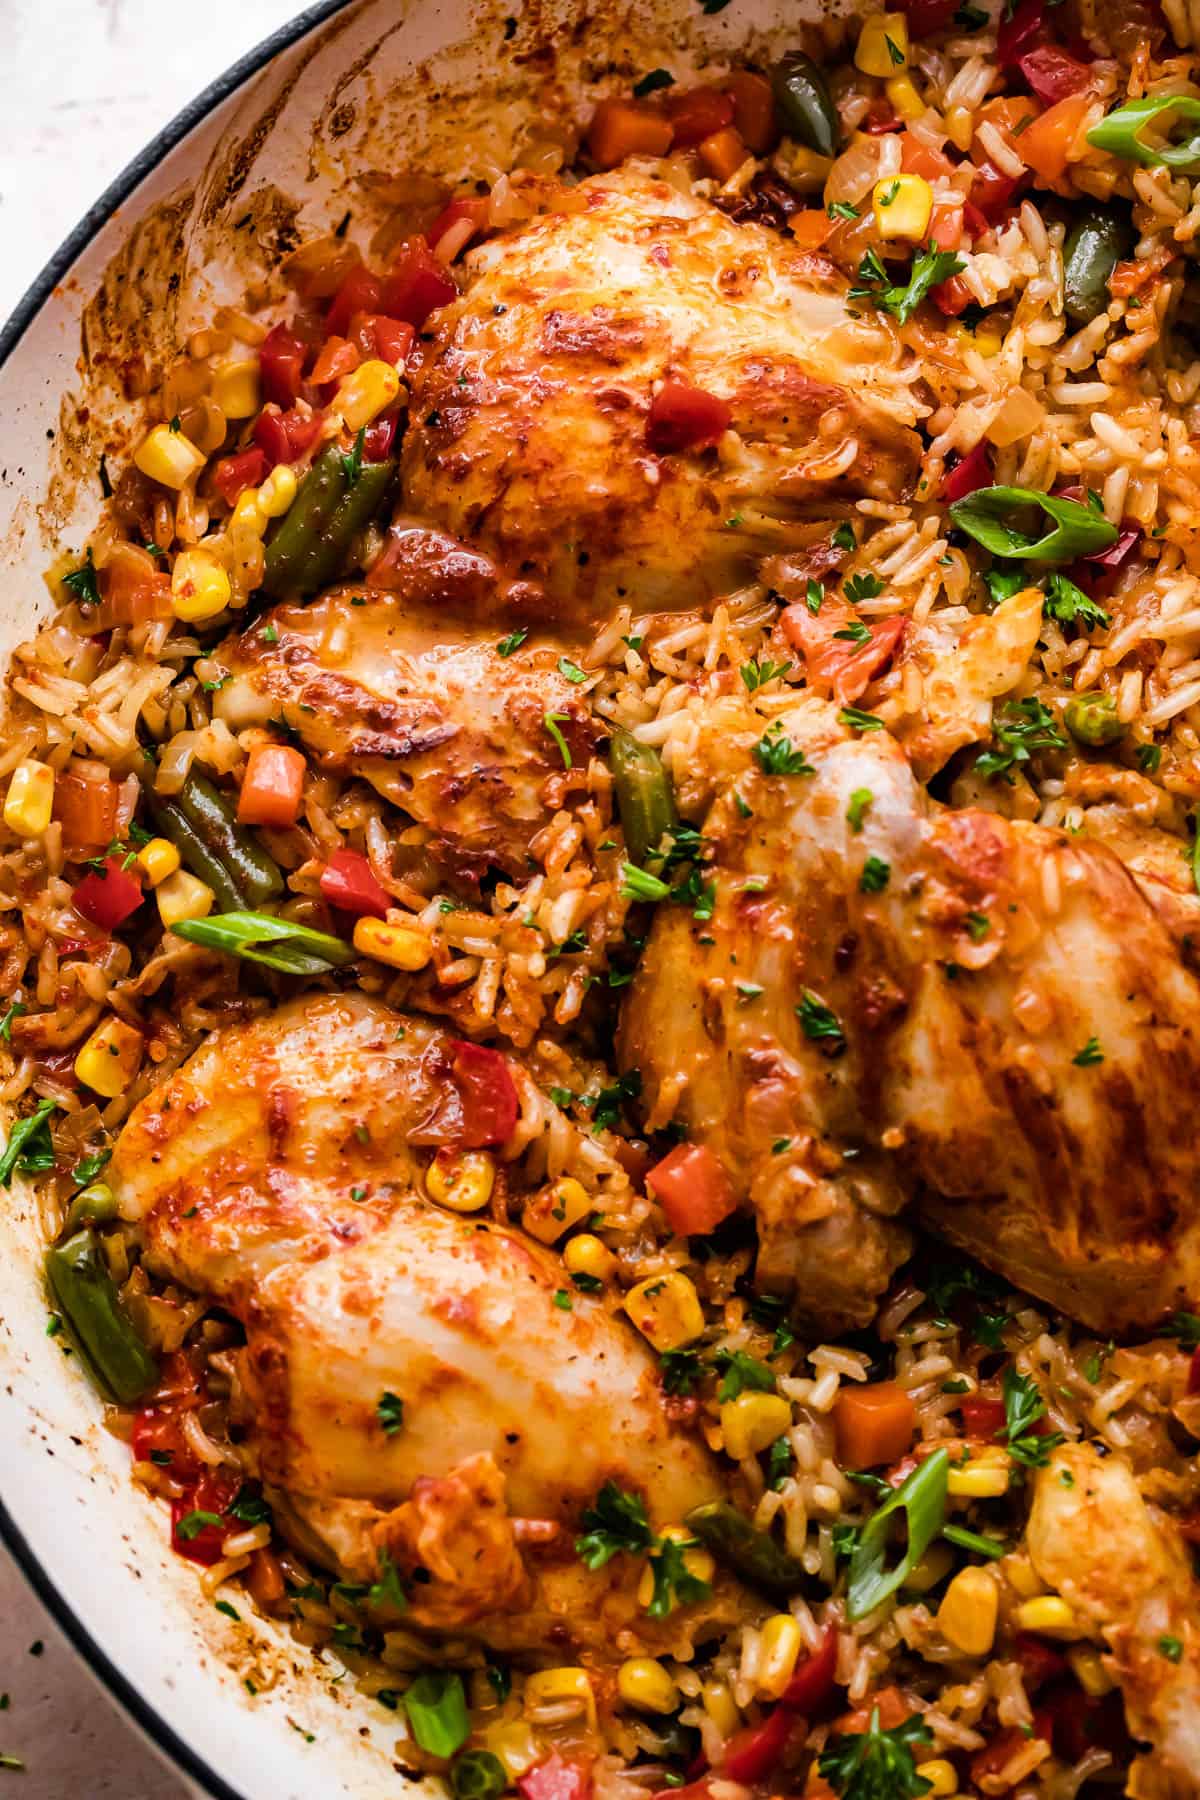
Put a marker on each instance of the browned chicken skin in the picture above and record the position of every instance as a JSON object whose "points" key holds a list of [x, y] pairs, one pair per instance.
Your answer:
{"points": [[1000, 1035]]}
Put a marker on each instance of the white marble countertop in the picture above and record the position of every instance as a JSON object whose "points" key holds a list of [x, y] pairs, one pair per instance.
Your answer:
{"points": [[88, 82]]}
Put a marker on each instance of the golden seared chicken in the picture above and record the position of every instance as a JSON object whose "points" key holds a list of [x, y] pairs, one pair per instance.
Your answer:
{"points": [[548, 423], [897, 1003], [1127, 1574], [409, 1383], [419, 703]]}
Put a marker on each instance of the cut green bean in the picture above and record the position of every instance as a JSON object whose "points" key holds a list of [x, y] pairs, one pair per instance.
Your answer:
{"points": [[85, 1295], [255, 875], [197, 857], [350, 516], [645, 802], [804, 104], [922, 1501], [94, 1205], [261, 938], [742, 1547], [295, 538]]}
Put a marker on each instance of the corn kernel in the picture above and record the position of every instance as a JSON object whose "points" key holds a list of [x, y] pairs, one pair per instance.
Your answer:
{"points": [[29, 801], [696, 1560], [666, 1309], [397, 945], [779, 1645], [1051, 1616], [182, 896], [555, 1209], [807, 169], [515, 1746], [1019, 1573], [984, 1477], [248, 517], [882, 47], [941, 1775], [158, 859], [903, 206], [110, 1058], [462, 1180], [235, 387], [906, 102], [199, 585], [752, 1421], [586, 1255], [554, 1686], [277, 492], [168, 457], [960, 127], [1088, 1668], [933, 1567], [645, 1684], [721, 1707], [366, 392], [967, 1615]]}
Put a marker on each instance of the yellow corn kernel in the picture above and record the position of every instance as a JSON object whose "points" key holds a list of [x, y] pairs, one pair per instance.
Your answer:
{"points": [[645, 1684], [933, 1567], [235, 387], [366, 392], [514, 1745], [30, 798], [808, 170], [462, 1180], [199, 585], [960, 127], [882, 47], [168, 457], [586, 1255], [984, 1477], [906, 102], [158, 859], [721, 1707], [696, 1560], [1089, 1670], [277, 492], [780, 1644], [555, 1209], [552, 1687], [903, 206], [666, 1309], [110, 1058], [967, 1615], [752, 1421], [247, 516], [1019, 1573], [182, 896], [942, 1776], [1051, 1616], [397, 945]]}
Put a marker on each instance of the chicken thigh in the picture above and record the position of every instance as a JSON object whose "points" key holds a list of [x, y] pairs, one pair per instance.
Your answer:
{"points": [[897, 1003], [528, 425], [409, 1372]]}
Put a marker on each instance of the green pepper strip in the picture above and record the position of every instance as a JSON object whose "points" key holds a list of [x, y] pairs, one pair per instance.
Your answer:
{"points": [[1078, 530], [292, 949], [1095, 244], [87, 1299], [644, 799], [308, 546], [922, 1499], [804, 105], [1119, 132], [749, 1552], [255, 875], [94, 1205]]}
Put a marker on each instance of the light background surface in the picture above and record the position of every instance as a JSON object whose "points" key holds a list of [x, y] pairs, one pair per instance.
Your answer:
{"points": [[88, 82]]}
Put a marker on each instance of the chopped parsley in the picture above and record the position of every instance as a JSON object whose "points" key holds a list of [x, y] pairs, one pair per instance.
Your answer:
{"points": [[1171, 1648], [820, 1022], [775, 754], [81, 582], [607, 1104], [929, 268], [570, 671], [863, 587], [860, 801], [651, 82], [673, 1580], [855, 632], [1149, 757], [875, 1764], [1185, 1327], [858, 720], [563, 1300], [389, 1410], [1089, 1056], [814, 597], [1023, 1407], [616, 1521], [6, 1023], [1071, 606], [513, 641], [352, 464], [841, 209], [742, 1373], [756, 674], [681, 1370], [978, 925], [1027, 727], [29, 1150], [780, 1462], [875, 875], [843, 537]]}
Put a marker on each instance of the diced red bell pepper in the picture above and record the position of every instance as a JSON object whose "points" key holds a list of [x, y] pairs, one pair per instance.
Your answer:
{"points": [[1118, 554], [416, 285], [925, 17], [1079, 1722], [281, 365], [812, 1685], [215, 1492], [972, 471], [881, 120], [233, 473], [1040, 1662], [337, 357], [684, 417], [998, 1753], [982, 1418], [693, 1190], [158, 1438], [348, 883], [361, 292], [696, 113], [284, 436], [975, 225], [1019, 33], [394, 338], [841, 668], [110, 898], [951, 297], [381, 435], [473, 210], [489, 1094], [555, 1779], [751, 1754], [1193, 1381], [946, 226], [1051, 74], [992, 191], [919, 158]]}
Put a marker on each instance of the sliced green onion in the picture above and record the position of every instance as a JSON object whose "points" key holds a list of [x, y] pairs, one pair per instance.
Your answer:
{"points": [[437, 1711], [293, 949], [922, 1499], [972, 1540], [1078, 530], [1121, 132], [478, 1775]]}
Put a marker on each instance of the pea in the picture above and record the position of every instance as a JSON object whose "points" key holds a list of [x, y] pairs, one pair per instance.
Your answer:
{"points": [[477, 1775], [1092, 719], [1095, 244], [804, 104]]}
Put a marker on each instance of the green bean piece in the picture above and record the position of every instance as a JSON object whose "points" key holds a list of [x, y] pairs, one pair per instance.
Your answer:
{"points": [[295, 539], [804, 104], [262, 938], [644, 799], [750, 1553], [351, 515], [1095, 245], [255, 875], [195, 853], [86, 1297], [922, 1500], [94, 1205], [1092, 719]]}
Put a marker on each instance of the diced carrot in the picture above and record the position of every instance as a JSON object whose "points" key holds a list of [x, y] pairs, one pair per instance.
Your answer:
{"points": [[893, 1710], [264, 1581], [86, 808], [133, 588], [921, 159], [753, 110], [622, 128], [1009, 114], [810, 228], [723, 154], [874, 1423], [693, 1190], [272, 786], [1046, 145], [336, 358]]}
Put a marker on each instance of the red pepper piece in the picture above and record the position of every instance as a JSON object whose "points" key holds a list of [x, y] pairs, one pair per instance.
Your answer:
{"points": [[474, 210], [951, 297], [1051, 74], [992, 191], [683, 417], [812, 1685], [381, 435], [110, 898], [1018, 34], [417, 285], [360, 292], [696, 114], [1040, 1662], [693, 1190], [974, 470], [284, 436], [214, 1493], [394, 338], [751, 1754], [982, 1418], [233, 473], [489, 1094], [1119, 553], [281, 365], [925, 17], [348, 883]]}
